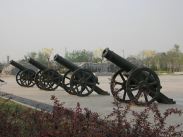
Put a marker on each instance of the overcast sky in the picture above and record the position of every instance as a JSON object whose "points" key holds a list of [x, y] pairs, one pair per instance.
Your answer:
{"points": [[129, 25]]}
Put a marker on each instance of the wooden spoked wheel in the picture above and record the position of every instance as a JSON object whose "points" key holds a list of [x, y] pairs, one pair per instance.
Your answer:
{"points": [[66, 82], [27, 78], [118, 86], [83, 82], [37, 80], [18, 78], [51, 79], [143, 86]]}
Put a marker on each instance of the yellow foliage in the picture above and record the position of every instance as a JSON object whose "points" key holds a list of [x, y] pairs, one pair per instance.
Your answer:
{"points": [[148, 53], [98, 53], [47, 52]]}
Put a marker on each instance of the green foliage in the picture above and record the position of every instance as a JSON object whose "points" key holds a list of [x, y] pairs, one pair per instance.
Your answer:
{"points": [[169, 61], [42, 56], [79, 56], [85, 56], [8, 105]]}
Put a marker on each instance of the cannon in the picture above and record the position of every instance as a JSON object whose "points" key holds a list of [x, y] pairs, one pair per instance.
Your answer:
{"points": [[25, 76], [46, 79], [140, 85], [82, 82]]}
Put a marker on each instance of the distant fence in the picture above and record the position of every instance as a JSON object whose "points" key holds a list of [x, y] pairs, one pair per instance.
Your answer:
{"points": [[101, 67], [106, 68]]}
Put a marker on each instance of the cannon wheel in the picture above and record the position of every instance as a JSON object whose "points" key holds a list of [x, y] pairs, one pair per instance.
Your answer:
{"points": [[82, 82], [18, 79], [27, 78], [50, 79], [118, 86], [143, 86], [37, 79], [40, 82], [66, 82]]}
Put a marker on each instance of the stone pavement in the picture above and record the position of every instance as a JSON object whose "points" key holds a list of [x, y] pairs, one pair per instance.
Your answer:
{"points": [[172, 87]]}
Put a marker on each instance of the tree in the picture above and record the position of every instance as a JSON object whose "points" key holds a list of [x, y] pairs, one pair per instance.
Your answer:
{"points": [[147, 57], [47, 52], [42, 56], [31, 55], [171, 60], [174, 58], [97, 55], [79, 56]]}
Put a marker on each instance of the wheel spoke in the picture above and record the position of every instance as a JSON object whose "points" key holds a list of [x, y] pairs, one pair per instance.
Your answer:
{"points": [[68, 78], [82, 89], [152, 83], [76, 87], [119, 90], [87, 89], [122, 77], [145, 96], [118, 83], [88, 77], [134, 80], [137, 96], [124, 95]]}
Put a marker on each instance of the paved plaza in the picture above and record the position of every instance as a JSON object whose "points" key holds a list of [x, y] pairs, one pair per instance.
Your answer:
{"points": [[172, 87]]}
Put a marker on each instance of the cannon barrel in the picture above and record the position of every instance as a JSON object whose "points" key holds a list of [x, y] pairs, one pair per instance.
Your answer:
{"points": [[68, 64], [17, 65], [37, 64], [118, 60]]}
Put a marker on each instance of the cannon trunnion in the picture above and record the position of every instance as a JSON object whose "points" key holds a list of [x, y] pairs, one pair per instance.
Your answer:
{"points": [[133, 84], [81, 82], [25, 76]]}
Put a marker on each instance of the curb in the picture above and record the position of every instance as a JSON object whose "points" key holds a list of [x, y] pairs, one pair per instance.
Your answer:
{"points": [[25, 101]]}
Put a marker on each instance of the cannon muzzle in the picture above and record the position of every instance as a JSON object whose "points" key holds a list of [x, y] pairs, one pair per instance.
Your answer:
{"points": [[17, 65], [68, 64], [37, 64], [117, 60]]}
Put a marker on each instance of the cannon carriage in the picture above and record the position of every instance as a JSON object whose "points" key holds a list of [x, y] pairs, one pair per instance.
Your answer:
{"points": [[81, 82], [25, 76], [46, 78], [140, 85]]}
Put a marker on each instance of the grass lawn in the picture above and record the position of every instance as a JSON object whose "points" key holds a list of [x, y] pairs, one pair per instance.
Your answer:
{"points": [[8, 105]]}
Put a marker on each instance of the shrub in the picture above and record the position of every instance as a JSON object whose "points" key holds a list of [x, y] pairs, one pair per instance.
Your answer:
{"points": [[78, 122]]}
